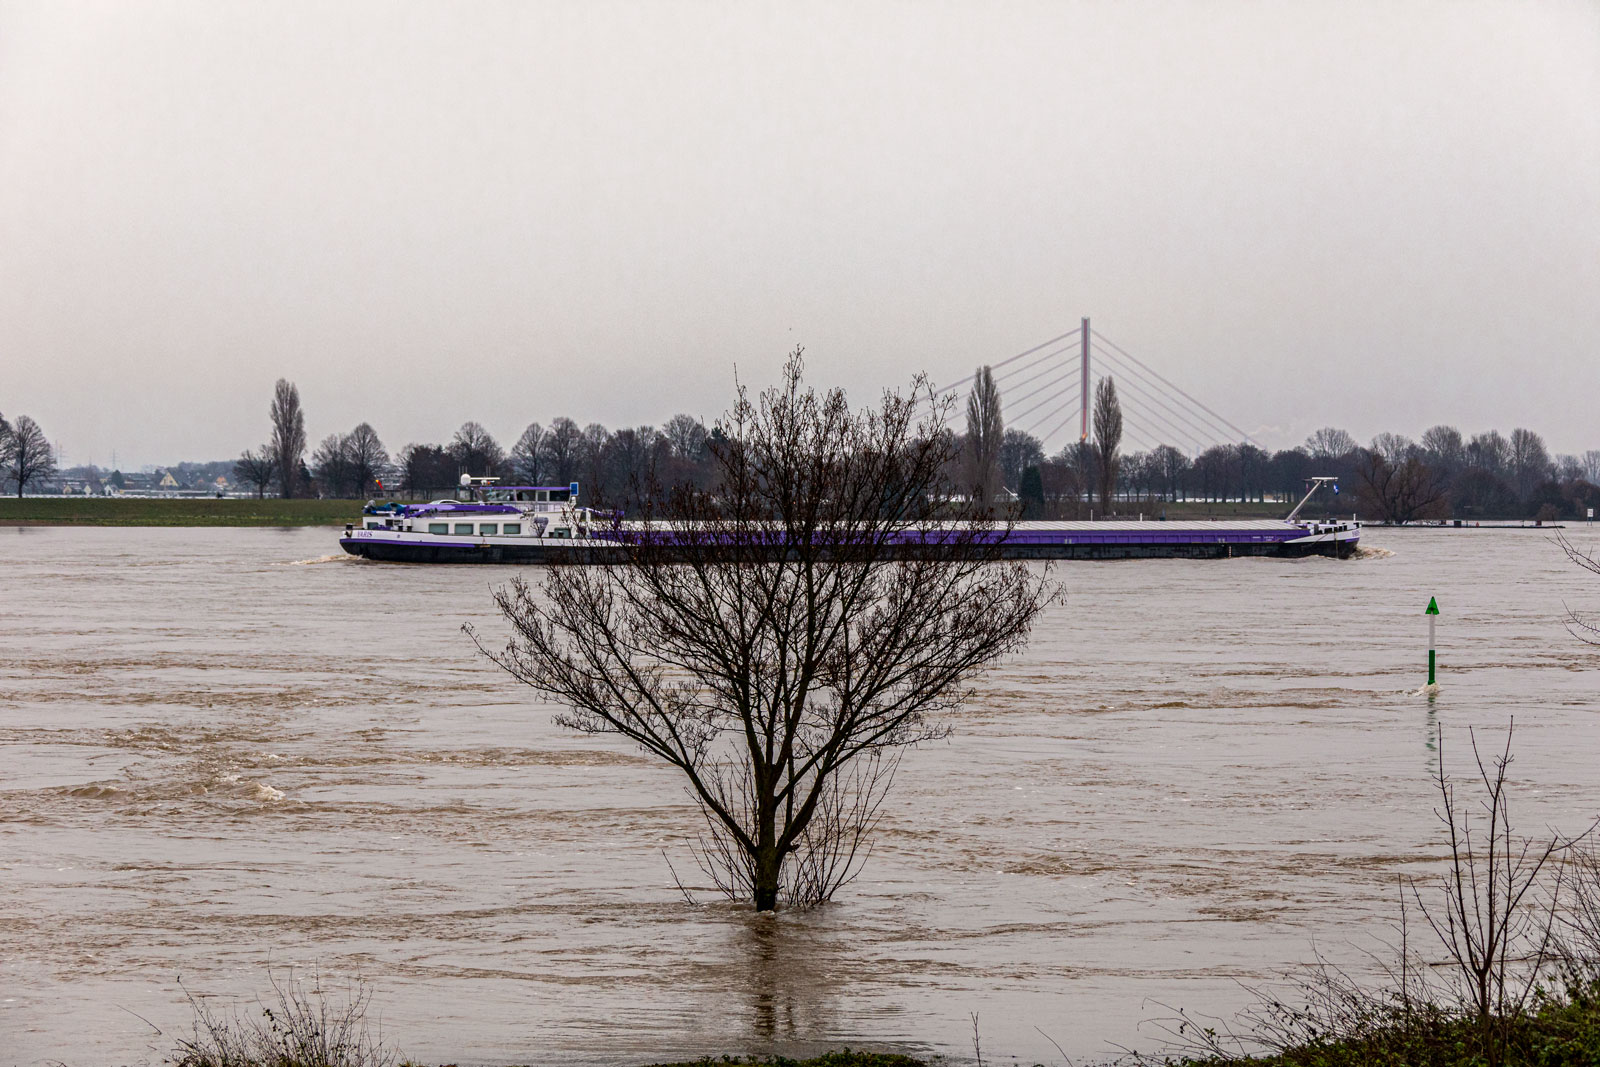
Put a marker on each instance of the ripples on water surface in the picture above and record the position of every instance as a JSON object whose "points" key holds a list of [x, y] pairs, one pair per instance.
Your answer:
{"points": [[215, 760]]}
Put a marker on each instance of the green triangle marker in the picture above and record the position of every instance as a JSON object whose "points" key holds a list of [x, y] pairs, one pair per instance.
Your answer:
{"points": [[1433, 609]]}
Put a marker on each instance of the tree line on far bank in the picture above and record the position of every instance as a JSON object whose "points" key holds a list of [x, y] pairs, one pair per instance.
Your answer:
{"points": [[1443, 474], [609, 464]]}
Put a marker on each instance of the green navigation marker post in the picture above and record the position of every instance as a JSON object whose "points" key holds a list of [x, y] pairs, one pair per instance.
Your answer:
{"points": [[1431, 613]]}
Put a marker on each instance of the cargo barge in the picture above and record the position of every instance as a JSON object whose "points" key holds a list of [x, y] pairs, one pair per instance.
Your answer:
{"points": [[545, 524]]}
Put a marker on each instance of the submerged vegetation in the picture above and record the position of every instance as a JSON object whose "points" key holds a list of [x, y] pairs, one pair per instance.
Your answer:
{"points": [[297, 1026]]}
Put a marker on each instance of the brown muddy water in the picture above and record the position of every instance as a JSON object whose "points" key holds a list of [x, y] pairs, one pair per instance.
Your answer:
{"points": [[224, 751]]}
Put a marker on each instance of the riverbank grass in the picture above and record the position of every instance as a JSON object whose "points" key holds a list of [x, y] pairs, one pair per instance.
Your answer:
{"points": [[185, 511], [1562, 1031]]}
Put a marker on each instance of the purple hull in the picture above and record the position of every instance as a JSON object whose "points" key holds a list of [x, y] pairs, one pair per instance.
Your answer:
{"points": [[1027, 540]]}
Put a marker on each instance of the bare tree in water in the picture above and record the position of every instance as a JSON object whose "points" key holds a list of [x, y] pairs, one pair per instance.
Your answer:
{"points": [[774, 651], [1583, 626]]}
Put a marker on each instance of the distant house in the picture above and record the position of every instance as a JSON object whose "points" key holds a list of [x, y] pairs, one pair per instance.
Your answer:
{"points": [[167, 481], [80, 486]]}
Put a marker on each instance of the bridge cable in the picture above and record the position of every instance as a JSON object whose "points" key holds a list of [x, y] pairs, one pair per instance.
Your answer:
{"points": [[1012, 403], [1189, 438], [1068, 377], [1203, 429], [1174, 388], [1207, 428], [1070, 387], [1161, 433], [1031, 378], [1050, 415], [1031, 394], [1134, 432], [1186, 434], [1224, 429], [1183, 439], [1059, 427], [1006, 382], [1011, 359]]}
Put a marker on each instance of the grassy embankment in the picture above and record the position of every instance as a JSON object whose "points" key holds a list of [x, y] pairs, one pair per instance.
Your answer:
{"points": [[1563, 1032], [197, 511]]}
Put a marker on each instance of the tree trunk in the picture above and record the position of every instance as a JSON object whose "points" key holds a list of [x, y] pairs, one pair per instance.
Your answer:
{"points": [[768, 863], [768, 868]]}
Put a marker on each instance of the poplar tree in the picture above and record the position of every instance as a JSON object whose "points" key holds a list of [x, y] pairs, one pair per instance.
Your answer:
{"points": [[985, 433], [288, 442], [1108, 438]]}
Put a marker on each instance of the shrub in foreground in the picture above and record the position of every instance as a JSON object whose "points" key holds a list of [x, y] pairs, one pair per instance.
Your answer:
{"points": [[295, 1027]]}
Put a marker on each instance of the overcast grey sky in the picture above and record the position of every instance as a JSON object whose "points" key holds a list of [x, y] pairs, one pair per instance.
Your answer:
{"points": [[1377, 215]]}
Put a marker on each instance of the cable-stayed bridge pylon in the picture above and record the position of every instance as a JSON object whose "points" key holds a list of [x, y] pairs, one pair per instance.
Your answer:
{"points": [[1048, 390]]}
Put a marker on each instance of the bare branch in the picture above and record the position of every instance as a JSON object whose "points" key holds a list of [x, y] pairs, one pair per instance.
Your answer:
{"points": [[772, 635]]}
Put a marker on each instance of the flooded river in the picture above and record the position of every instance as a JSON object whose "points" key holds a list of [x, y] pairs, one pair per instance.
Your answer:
{"points": [[223, 751]]}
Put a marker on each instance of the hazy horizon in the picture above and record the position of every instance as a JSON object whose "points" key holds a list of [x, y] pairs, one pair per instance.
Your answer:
{"points": [[1379, 216]]}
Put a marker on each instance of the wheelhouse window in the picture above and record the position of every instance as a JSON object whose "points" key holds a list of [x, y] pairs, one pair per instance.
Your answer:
{"points": [[438, 527], [374, 525], [512, 528], [488, 528], [463, 528], [559, 495]]}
